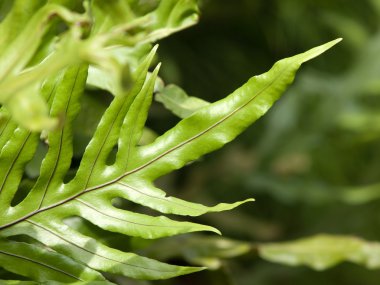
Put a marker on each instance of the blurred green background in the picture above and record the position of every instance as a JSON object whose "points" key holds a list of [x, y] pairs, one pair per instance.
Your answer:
{"points": [[313, 162]]}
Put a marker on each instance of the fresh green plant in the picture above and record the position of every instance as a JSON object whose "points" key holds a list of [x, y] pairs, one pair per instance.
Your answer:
{"points": [[51, 52]]}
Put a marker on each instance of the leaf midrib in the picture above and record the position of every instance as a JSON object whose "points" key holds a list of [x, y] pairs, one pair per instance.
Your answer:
{"points": [[155, 197], [89, 176], [124, 220]]}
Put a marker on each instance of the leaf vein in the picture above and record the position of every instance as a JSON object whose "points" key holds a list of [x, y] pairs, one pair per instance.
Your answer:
{"points": [[124, 220], [41, 264], [155, 197]]}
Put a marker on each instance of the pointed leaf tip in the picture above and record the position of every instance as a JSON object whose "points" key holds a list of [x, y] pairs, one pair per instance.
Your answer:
{"points": [[152, 52], [214, 230], [314, 52], [157, 68], [155, 47], [192, 269]]}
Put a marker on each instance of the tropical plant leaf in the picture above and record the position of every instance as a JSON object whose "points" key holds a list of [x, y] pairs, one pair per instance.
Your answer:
{"points": [[34, 227], [323, 251], [89, 195]]}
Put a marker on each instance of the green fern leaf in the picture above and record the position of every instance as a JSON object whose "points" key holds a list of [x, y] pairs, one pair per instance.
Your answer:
{"points": [[36, 238], [56, 251]]}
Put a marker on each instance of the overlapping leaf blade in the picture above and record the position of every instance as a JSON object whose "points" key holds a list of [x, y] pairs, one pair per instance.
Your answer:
{"points": [[176, 100], [34, 45]]}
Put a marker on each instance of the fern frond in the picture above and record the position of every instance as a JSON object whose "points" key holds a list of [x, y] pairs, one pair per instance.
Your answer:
{"points": [[49, 248]]}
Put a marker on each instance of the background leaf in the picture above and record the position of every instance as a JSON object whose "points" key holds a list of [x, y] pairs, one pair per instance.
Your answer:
{"points": [[323, 251], [176, 100]]}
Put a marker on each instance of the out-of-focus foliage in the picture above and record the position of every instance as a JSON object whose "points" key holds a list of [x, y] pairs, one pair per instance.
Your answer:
{"points": [[323, 251], [40, 38], [201, 250]]}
